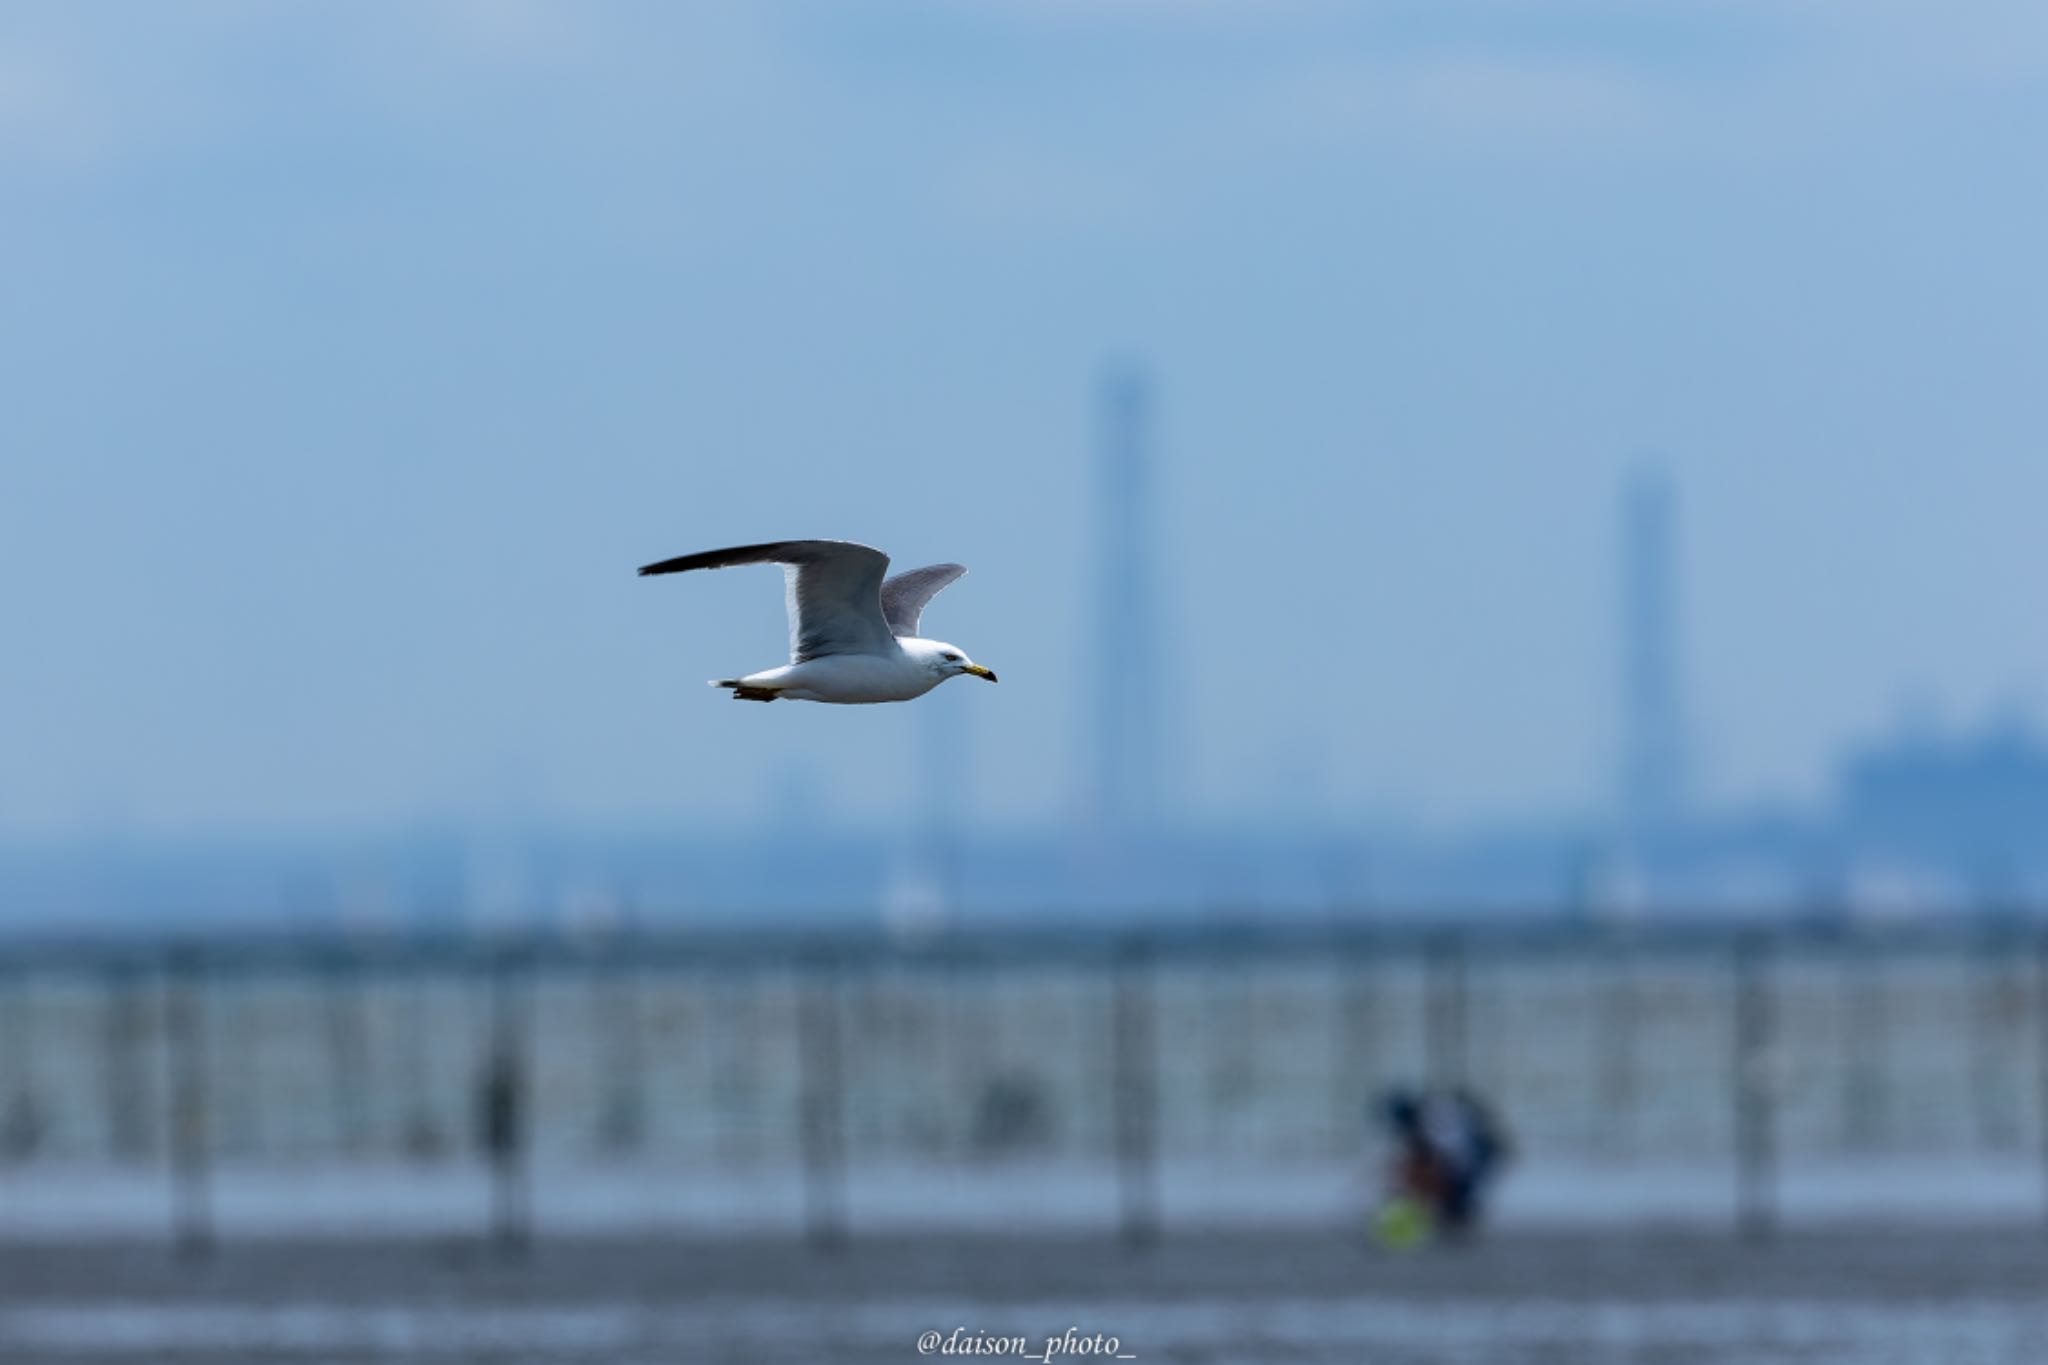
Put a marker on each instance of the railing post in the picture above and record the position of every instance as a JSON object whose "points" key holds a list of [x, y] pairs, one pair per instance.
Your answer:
{"points": [[1617, 1021], [622, 1118], [2041, 1055], [1135, 1097], [191, 1137], [1865, 1047], [1446, 1018], [505, 1118], [21, 1120], [1987, 992], [412, 1064], [1755, 1152], [347, 1056], [125, 1026], [823, 1110], [1355, 1071]]}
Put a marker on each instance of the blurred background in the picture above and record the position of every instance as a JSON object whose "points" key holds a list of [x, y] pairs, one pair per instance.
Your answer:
{"points": [[1505, 534]]}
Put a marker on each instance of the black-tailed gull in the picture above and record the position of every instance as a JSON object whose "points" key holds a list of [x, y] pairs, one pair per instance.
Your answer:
{"points": [[852, 632]]}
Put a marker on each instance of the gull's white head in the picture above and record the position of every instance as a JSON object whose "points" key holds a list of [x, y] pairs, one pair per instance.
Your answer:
{"points": [[944, 660]]}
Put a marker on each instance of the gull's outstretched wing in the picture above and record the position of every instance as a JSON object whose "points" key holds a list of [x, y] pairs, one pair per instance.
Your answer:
{"points": [[904, 596], [834, 592]]}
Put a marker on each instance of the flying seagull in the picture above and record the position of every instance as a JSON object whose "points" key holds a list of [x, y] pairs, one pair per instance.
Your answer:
{"points": [[852, 633]]}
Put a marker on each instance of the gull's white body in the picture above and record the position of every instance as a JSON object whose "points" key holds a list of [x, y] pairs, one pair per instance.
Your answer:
{"points": [[852, 630], [913, 670]]}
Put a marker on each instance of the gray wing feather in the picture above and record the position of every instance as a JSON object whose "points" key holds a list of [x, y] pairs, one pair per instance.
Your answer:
{"points": [[834, 592], [905, 595]]}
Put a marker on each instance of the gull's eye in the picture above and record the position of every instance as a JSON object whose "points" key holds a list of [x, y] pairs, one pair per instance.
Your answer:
{"points": [[950, 657]]}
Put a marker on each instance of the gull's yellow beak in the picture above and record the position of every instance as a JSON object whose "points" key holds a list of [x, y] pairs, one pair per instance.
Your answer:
{"points": [[978, 671]]}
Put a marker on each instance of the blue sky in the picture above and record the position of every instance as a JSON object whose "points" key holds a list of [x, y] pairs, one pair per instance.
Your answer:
{"points": [[355, 356]]}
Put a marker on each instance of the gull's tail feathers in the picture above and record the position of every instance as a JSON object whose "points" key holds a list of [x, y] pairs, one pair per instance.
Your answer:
{"points": [[742, 692]]}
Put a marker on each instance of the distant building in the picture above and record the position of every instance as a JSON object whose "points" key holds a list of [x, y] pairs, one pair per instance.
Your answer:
{"points": [[1975, 805], [1123, 760], [1653, 749]]}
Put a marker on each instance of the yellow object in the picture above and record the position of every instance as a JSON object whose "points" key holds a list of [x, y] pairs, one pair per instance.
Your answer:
{"points": [[1401, 1224]]}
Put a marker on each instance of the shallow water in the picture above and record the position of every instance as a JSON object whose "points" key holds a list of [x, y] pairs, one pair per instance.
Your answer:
{"points": [[1241, 1296]]}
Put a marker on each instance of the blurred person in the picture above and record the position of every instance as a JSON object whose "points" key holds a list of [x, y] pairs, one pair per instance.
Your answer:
{"points": [[1448, 1146], [1414, 1177], [1472, 1146]]}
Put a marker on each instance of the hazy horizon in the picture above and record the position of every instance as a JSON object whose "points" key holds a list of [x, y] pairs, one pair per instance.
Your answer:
{"points": [[359, 357]]}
